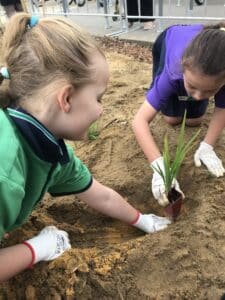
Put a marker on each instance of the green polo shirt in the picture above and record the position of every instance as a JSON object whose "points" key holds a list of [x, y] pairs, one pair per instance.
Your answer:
{"points": [[33, 162]]}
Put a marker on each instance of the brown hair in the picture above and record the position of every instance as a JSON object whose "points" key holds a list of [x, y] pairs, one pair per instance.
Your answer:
{"points": [[53, 49], [206, 52]]}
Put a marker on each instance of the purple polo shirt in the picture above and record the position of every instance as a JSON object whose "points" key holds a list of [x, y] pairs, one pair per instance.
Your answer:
{"points": [[170, 81]]}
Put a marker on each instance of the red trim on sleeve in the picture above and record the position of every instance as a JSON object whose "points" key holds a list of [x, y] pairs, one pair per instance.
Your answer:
{"points": [[136, 219], [32, 254]]}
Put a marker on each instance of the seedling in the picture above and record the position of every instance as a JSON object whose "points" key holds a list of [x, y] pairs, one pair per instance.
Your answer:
{"points": [[93, 132], [172, 166]]}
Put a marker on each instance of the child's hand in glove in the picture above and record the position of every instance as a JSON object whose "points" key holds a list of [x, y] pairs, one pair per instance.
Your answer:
{"points": [[208, 157], [151, 223], [48, 244], [158, 186]]}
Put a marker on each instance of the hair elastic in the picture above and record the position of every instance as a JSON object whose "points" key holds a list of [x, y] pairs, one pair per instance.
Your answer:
{"points": [[222, 28], [33, 21], [5, 73]]}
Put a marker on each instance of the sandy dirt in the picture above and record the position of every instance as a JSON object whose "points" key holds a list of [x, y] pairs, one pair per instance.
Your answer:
{"points": [[109, 259]]}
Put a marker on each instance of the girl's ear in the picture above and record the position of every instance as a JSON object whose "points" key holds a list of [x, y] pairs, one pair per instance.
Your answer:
{"points": [[64, 97]]}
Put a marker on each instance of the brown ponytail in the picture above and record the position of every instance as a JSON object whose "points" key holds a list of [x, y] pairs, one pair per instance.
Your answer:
{"points": [[206, 53]]}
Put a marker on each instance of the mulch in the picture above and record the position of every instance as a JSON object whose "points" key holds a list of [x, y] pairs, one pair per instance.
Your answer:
{"points": [[141, 51]]}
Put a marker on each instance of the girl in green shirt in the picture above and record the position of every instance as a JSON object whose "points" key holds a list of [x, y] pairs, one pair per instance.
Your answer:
{"points": [[54, 77]]}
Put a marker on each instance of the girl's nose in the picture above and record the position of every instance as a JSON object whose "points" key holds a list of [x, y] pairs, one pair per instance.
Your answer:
{"points": [[198, 95]]}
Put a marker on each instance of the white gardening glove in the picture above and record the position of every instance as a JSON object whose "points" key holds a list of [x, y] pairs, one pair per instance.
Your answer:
{"points": [[49, 244], [151, 223], [158, 186], [206, 154]]}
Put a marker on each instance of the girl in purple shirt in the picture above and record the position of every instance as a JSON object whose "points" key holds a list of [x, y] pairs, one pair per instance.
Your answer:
{"points": [[188, 71]]}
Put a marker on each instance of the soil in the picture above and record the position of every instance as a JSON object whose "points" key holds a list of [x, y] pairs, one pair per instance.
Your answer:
{"points": [[109, 259]]}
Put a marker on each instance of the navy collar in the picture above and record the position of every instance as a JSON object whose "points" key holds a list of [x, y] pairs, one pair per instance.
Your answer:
{"points": [[40, 139]]}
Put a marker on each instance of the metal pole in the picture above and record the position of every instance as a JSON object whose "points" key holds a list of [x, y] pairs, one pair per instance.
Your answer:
{"points": [[205, 7], [139, 8], [123, 14], [159, 29], [160, 7], [170, 7], [65, 7], [31, 6], [105, 6], [191, 4], [190, 8]]}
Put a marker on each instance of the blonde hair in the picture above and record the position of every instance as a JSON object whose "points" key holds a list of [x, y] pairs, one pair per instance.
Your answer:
{"points": [[53, 49]]}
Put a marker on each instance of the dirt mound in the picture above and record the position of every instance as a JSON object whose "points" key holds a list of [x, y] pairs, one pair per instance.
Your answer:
{"points": [[108, 259]]}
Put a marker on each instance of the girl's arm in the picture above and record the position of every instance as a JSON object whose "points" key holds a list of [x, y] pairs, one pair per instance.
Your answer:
{"points": [[110, 203], [146, 141], [141, 129], [14, 260]]}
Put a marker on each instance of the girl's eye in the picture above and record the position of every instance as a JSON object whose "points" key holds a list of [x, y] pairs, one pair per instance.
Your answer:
{"points": [[191, 86], [211, 92]]}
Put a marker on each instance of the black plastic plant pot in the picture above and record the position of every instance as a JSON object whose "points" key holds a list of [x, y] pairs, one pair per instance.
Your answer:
{"points": [[174, 207]]}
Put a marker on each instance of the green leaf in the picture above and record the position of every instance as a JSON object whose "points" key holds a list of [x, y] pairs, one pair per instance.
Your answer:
{"points": [[93, 132], [172, 166]]}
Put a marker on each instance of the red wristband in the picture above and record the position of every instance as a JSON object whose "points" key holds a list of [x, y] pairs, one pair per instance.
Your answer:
{"points": [[136, 219], [32, 255]]}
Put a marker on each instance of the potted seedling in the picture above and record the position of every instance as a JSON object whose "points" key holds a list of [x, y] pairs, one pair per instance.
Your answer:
{"points": [[172, 168]]}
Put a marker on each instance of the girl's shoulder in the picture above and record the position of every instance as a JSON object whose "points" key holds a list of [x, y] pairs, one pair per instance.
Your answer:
{"points": [[178, 38], [10, 144], [183, 33]]}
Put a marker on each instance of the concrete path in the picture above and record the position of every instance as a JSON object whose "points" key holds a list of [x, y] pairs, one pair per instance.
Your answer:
{"points": [[178, 11], [97, 25]]}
